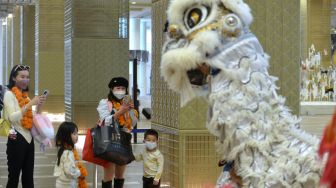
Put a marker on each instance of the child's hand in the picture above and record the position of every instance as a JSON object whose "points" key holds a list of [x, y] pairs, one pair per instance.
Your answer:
{"points": [[155, 182]]}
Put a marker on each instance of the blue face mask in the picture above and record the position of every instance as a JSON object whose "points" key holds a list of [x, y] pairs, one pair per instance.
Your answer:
{"points": [[150, 145]]}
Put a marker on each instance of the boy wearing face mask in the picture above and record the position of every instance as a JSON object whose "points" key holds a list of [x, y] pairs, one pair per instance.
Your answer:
{"points": [[114, 108], [153, 160]]}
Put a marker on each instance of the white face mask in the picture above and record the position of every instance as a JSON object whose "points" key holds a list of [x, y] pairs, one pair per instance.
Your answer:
{"points": [[150, 145], [119, 94]]}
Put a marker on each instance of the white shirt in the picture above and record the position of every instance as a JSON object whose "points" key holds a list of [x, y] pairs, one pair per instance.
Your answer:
{"points": [[153, 163], [67, 172], [104, 112], [12, 112]]}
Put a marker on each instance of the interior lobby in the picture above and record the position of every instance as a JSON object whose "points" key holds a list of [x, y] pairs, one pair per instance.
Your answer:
{"points": [[75, 47]]}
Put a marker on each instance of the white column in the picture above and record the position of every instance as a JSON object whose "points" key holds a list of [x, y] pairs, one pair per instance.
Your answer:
{"points": [[134, 37], [142, 65], [21, 34], [8, 46], [1, 53], [149, 49], [134, 44]]}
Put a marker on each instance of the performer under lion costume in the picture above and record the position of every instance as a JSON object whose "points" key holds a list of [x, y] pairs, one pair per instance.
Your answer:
{"points": [[210, 50]]}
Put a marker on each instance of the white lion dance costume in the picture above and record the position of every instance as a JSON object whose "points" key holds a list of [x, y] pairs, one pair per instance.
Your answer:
{"points": [[255, 129]]}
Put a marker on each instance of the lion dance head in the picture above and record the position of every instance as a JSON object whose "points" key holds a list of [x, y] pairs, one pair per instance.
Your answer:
{"points": [[198, 31]]}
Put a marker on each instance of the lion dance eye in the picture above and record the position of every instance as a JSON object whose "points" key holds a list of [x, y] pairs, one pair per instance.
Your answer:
{"points": [[195, 15]]}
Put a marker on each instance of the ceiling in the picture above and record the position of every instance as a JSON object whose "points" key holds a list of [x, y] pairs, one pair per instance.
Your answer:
{"points": [[6, 6], [138, 8]]}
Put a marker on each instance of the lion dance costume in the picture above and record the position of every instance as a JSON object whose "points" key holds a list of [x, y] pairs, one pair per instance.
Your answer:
{"points": [[210, 51]]}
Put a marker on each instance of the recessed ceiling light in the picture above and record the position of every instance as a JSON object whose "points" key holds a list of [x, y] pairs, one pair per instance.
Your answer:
{"points": [[133, 3]]}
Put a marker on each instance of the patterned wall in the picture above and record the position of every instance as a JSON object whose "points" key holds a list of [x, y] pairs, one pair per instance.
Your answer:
{"points": [[184, 141], [16, 34], [319, 26], [96, 18], [29, 42], [94, 54], [190, 159], [165, 103], [49, 55], [277, 25]]}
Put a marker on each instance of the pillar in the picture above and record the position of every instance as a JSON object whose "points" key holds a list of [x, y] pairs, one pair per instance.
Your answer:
{"points": [[96, 49], [7, 47], [49, 53], [28, 43]]}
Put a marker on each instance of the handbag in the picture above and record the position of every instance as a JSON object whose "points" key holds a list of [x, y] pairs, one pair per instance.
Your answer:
{"points": [[112, 144], [87, 153], [4, 127]]}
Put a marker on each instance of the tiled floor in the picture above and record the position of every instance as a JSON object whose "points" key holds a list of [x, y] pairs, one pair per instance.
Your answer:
{"points": [[45, 161]]}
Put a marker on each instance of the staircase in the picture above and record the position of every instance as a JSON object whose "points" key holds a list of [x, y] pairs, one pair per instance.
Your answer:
{"points": [[44, 167]]}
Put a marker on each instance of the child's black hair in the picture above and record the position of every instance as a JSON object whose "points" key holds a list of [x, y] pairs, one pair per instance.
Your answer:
{"points": [[152, 132], [63, 138]]}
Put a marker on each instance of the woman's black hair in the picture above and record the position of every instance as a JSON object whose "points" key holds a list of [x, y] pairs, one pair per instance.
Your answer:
{"points": [[63, 138], [117, 81], [14, 72]]}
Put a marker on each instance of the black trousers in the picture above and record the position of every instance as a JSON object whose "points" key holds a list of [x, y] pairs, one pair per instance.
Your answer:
{"points": [[20, 158], [148, 183]]}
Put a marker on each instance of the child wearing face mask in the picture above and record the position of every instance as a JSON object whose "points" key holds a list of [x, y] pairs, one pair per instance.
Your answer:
{"points": [[114, 108], [153, 160]]}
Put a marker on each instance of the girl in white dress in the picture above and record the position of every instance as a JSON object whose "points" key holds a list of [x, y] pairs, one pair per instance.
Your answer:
{"points": [[67, 170]]}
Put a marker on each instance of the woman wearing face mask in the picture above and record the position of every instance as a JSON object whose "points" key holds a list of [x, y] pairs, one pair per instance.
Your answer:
{"points": [[114, 108], [20, 144]]}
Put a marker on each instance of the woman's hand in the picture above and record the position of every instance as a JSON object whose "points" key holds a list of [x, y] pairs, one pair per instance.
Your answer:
{"points": [[42, 99], [123, 109], [37, 100], [34, 101]]}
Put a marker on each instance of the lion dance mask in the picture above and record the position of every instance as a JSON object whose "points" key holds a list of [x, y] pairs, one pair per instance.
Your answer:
{"points": [[210, 51]]}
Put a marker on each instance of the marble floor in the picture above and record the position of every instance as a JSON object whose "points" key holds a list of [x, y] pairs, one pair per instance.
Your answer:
{"points": [[45, 160]]}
